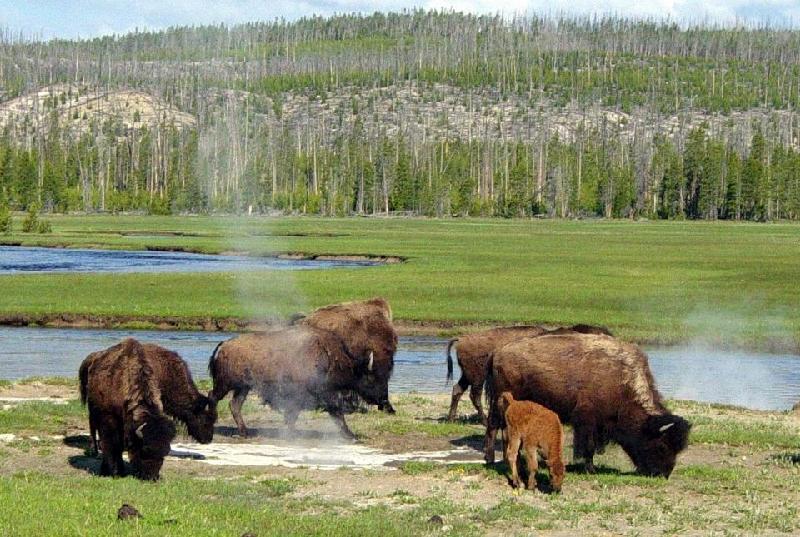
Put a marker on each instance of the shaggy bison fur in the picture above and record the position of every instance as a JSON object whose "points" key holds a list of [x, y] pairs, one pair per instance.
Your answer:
{"points": [[600, 385], [473, 351], [120, 389], [293, 369], [180, 397], [534, 428], [366, 329]]}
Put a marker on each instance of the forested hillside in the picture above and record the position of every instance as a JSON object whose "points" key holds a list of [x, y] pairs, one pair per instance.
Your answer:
{"points": [[420, 112]]}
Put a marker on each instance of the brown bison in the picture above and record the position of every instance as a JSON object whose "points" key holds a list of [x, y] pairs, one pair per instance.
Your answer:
{"points": [[366, 329], [473, 351], [121, 391], [600, 385], [534, 428], [180, 397], [293, 369]]}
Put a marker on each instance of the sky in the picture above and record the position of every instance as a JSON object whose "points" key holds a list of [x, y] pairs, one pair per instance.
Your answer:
{"points": [[90, 18]]}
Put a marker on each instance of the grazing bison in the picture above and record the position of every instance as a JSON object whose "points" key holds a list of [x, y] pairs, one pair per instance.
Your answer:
{"points": [[366, 329], [473, 351], [293, 369], [535, 429], [179, 394], [600, 385], [180, 397], [120, 389]]}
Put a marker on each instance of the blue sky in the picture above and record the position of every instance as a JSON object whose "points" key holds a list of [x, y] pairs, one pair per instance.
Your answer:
{"points": [[89, 18]]}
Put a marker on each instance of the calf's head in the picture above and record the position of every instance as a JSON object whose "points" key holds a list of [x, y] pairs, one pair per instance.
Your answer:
{"points": [[662, 438]]}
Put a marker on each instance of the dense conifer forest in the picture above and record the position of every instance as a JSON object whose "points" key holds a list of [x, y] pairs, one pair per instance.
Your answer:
{"points": [[424, 113]]}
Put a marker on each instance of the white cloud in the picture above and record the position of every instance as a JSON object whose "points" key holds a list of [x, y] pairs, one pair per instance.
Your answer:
{"points": [[93, 17]]}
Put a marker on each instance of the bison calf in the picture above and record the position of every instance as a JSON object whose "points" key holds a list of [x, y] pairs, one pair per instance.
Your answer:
{"points": [[535, 429]]}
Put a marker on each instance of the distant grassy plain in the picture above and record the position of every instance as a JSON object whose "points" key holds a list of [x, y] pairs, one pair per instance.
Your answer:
{"points": [[666, 282]]}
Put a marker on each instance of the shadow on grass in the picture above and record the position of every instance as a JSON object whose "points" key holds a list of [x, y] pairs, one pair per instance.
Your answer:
{"points": [[786, 458], [474, 441], [90, 465]]}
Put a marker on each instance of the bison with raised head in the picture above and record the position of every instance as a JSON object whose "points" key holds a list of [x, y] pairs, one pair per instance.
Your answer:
{"points": [[366, 329], [600, 385], [121, 391], [473, 351], [293, 369]]}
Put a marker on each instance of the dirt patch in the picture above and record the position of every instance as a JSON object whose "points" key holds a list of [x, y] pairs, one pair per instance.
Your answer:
{"points": [[37, 391]]}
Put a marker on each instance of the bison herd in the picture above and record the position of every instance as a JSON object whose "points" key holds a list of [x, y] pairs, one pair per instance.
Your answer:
{"points": [[341, 356]]}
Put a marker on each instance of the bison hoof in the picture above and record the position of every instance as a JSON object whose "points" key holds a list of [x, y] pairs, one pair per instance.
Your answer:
{"points": [[589, 468]]}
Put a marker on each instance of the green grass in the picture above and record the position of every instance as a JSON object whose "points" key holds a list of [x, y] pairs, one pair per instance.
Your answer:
{"points": [[719, 486], [653, 281], [184, 506]]}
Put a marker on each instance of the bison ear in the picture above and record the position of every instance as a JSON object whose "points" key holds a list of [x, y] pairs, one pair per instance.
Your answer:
{"points": [[140, 430]]}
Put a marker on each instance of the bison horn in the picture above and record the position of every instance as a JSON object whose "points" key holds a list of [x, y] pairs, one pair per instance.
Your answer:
{"points": [[664, 428], [140, 430], [371, 361]]}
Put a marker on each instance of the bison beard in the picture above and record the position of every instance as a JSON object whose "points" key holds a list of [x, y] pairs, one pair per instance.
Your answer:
{"points": [[294, 369], [603, 387], [124, 401]]}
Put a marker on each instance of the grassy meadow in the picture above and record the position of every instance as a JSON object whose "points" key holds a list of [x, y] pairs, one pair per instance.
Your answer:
{"points": [[732, 284], [739, 476]]}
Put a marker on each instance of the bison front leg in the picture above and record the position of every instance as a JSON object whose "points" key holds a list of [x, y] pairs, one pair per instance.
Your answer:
{"points": [[239, 395], [458, 390], [338, 417], [584, 445]]}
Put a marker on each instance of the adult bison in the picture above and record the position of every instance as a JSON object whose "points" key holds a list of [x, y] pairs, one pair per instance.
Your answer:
{"points": [[600, 385], [121, 391], [366, 329], [293, 369], [473, 351], [180, 397]]}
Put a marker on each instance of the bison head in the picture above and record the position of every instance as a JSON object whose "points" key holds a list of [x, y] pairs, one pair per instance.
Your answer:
{"points": [[149, 446], [662, 438], [200, 422], [373, 383]]}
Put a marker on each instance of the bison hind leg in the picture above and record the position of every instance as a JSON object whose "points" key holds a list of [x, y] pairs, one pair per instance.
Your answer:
{"points": [[458, 390], [237, 401]]}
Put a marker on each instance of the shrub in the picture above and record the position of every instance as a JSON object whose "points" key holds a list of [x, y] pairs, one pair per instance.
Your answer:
{"points": [[31, 222], [5, 220], [44, 227]]}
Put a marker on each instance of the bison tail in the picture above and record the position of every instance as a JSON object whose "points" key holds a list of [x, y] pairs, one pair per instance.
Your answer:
{"points": [[83, 376], [212, 362], [450, 359]]}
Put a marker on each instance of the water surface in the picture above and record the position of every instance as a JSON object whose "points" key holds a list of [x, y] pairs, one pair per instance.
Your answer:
{"points": [[23, 259], [754, 380]]}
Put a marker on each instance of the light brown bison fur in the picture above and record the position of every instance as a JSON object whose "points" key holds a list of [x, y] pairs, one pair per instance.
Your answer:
{"points": [[180, 397], [292, 369], [121, 392], [473, 351], [366, 329], [600, 385], [534, 428]]}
